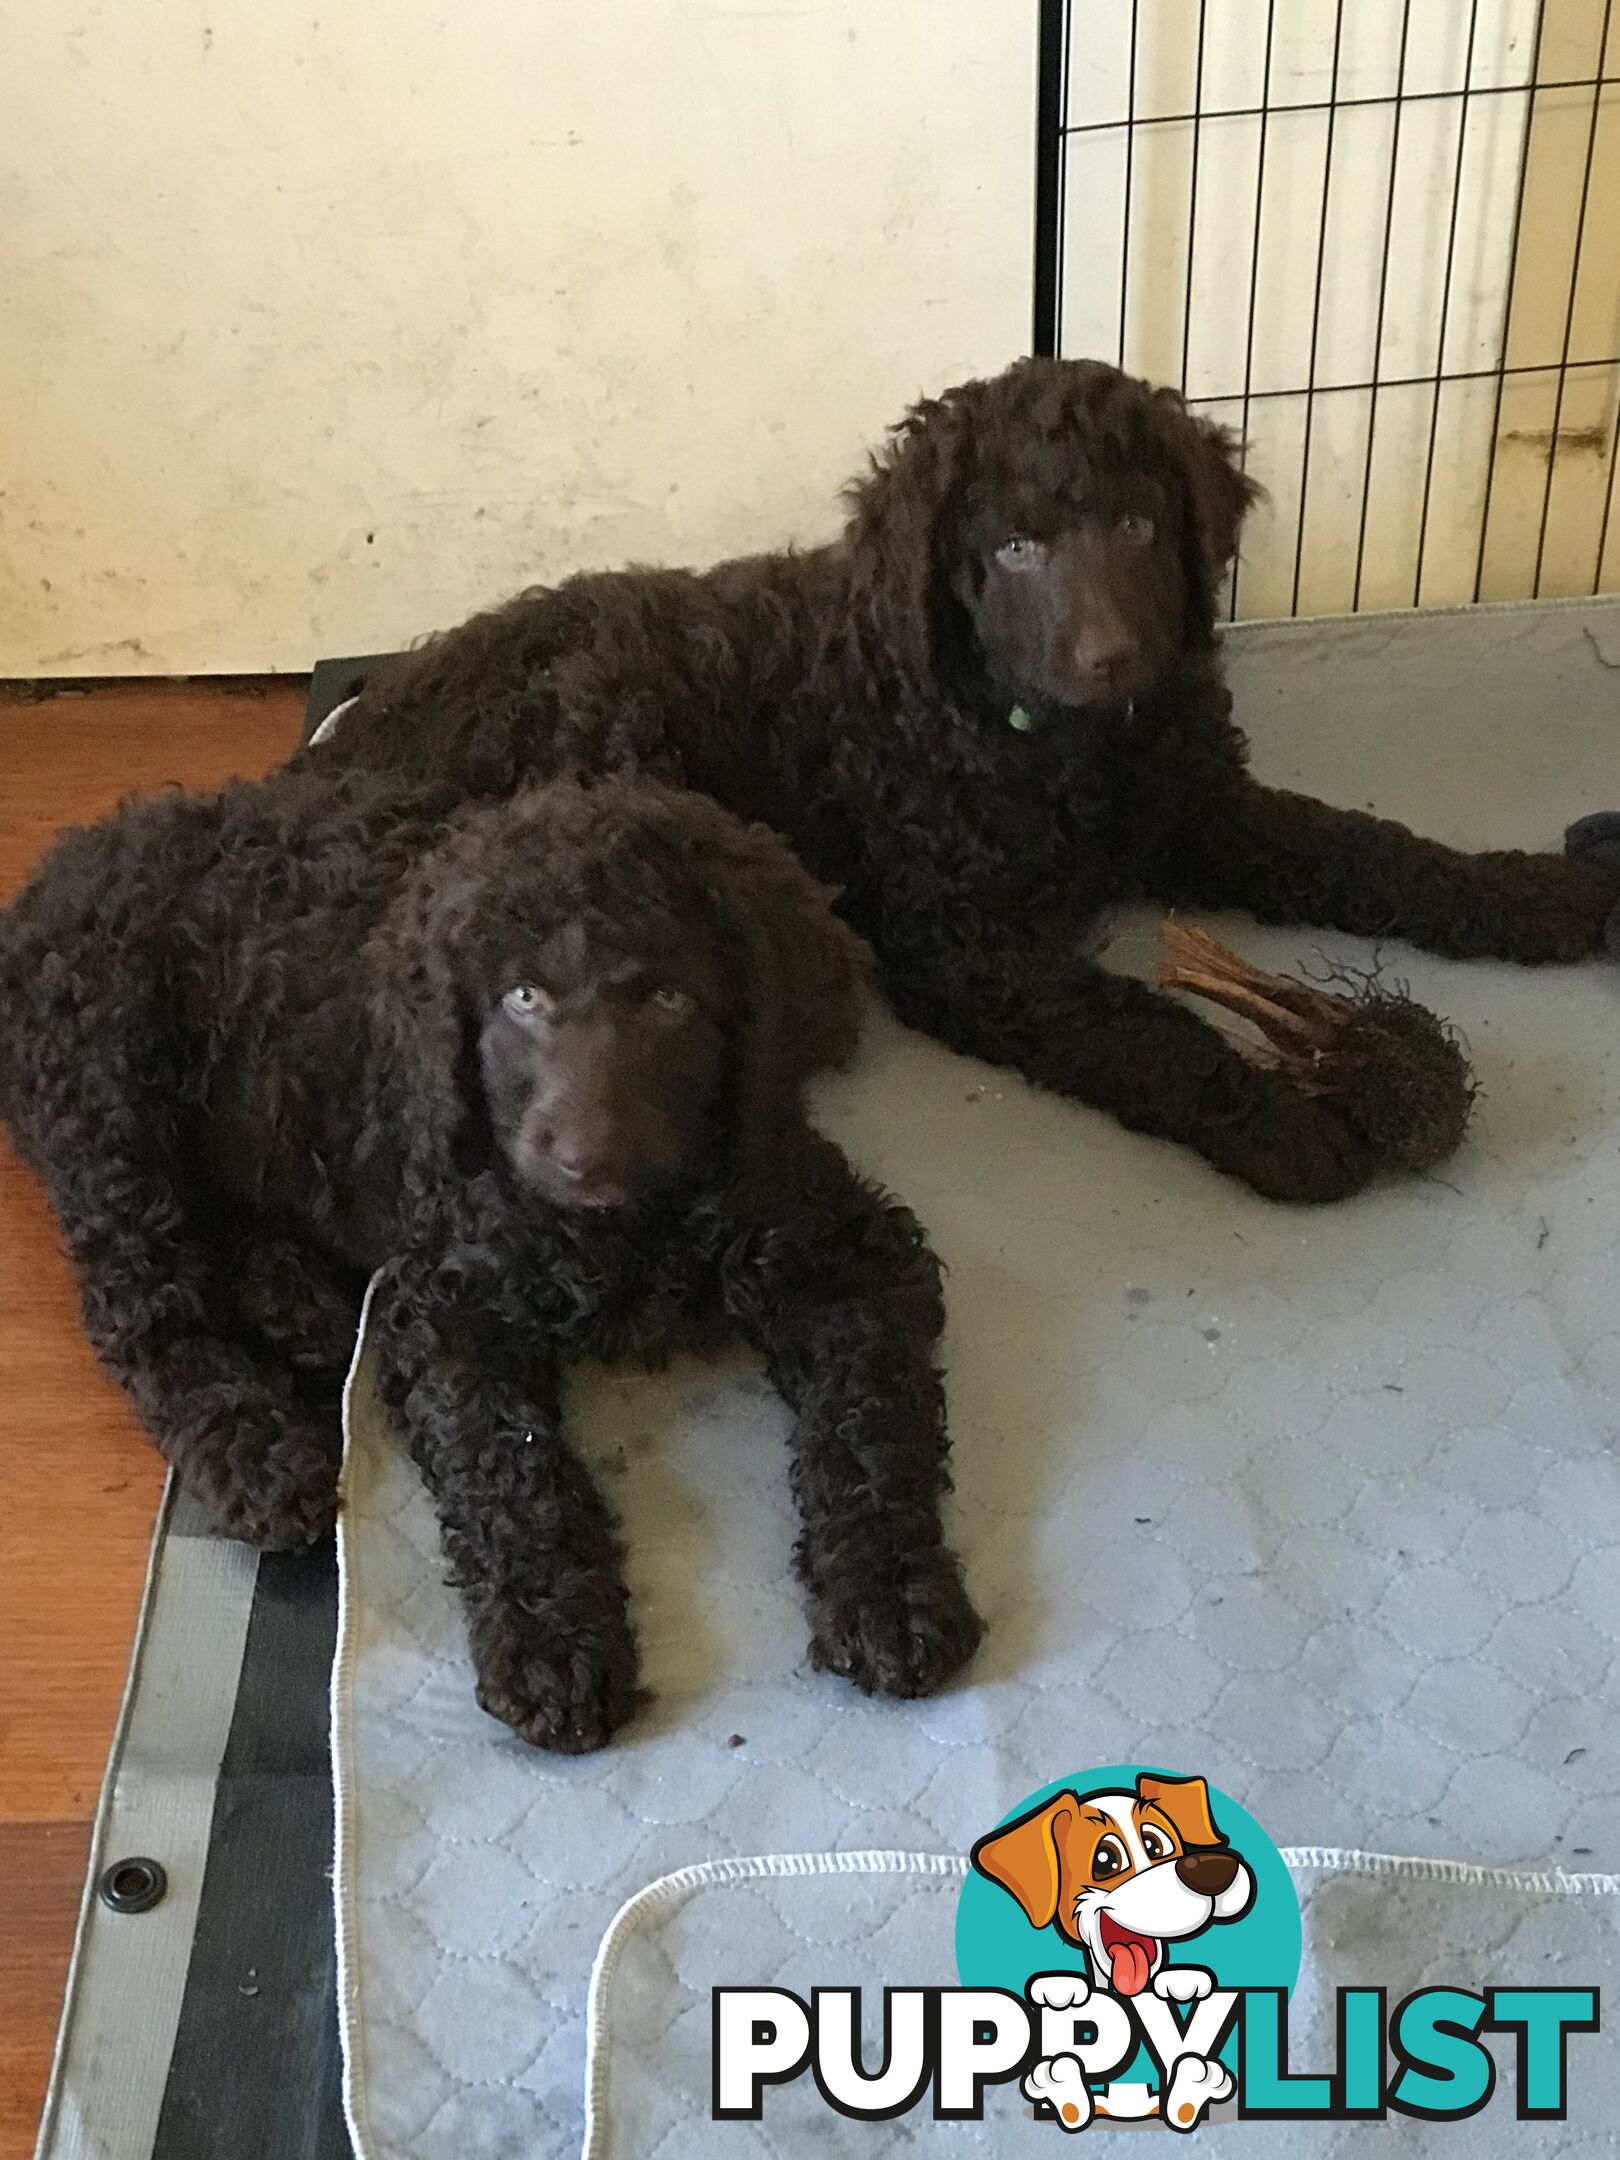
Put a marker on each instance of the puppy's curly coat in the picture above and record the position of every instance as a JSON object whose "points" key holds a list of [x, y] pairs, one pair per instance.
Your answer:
{"points": [[262, 1043], [994, 707]]}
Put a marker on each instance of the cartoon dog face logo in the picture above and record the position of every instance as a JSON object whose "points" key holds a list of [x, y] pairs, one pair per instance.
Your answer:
{"points": [[1120, 1874]]}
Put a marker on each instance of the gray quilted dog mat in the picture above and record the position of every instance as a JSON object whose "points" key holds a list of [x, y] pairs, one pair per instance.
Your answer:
{"points": [[1320, 1504]]}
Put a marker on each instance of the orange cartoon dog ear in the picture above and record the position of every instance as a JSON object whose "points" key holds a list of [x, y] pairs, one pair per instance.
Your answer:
{"points": [[1186, 1801], [1024, 1857]]}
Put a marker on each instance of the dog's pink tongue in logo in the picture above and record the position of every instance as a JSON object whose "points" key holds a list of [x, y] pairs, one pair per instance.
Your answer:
{"points": [[1130, 1955]]}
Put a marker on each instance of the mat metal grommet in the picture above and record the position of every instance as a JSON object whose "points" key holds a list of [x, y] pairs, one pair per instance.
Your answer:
{"points": [[132, 1886]]}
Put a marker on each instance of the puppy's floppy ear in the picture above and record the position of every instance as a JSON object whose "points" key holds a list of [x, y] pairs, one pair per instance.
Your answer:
{"points": [[1186, 1802], [1026, 1858], [898, 540], [1210, 459], [420, 1080], [804, 970]]}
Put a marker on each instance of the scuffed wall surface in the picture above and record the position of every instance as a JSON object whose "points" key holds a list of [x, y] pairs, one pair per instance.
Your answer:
{"points": [[326, 323]]}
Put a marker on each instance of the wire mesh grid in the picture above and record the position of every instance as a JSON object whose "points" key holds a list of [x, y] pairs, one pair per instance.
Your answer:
{"points": [[1382, 241]]}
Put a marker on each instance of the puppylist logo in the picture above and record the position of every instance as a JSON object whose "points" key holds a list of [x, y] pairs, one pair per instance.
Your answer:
{"points": [[1127, 1942]]}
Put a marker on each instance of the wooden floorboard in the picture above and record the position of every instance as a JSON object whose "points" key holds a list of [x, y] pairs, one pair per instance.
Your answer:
{"points": [[78, 1481], [44, 1873]]}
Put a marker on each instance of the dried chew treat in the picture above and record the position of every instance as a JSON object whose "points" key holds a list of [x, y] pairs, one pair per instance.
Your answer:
{"points": [[1394, 1069]]}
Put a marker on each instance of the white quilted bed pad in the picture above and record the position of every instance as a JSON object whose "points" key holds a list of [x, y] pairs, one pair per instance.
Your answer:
{"points": [[1323, 1505]]}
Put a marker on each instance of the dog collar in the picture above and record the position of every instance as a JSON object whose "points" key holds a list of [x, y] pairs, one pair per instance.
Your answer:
{"points": [[1020, 720]]}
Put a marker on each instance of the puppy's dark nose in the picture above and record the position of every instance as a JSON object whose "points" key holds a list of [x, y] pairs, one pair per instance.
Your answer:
{"points": [[578, 1158], [1106, 652], [1209, 1873]]}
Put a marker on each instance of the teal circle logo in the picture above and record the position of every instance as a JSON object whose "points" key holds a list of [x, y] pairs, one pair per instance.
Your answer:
{"points": [[1142, 1881]]}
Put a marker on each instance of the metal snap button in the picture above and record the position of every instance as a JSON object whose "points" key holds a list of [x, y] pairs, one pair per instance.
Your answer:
{"points": [[132, 1885]]}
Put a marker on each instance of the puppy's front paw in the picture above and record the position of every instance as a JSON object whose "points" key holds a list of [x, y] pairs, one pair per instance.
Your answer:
{"points": [[1060, 2080], [285, 1523], [1303, 1151], [275, 1486], [559, 1686], [1059, 1990], [1182, 1983], [1195, 2087], [903, 1635], [1596, 840]]}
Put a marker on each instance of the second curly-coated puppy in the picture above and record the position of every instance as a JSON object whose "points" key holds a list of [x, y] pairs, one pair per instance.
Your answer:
{"points": [[991, 710], [540, 1064]]}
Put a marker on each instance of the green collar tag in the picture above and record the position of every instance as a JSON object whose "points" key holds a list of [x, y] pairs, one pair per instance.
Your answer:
{"points": [[1020, 720]]}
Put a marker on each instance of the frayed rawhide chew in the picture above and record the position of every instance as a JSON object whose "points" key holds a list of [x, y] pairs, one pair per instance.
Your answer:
{"points": [[1394, 1069]]}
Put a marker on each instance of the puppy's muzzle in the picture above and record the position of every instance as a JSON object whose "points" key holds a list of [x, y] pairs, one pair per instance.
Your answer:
{"points": [[1208, 1873]]}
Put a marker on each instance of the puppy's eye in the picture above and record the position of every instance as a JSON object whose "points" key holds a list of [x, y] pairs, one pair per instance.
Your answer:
{"points": [[1154, 1843], [1108, 1860], [527, 1001], [1019, 552], [669, 1001], [1138, 531]]}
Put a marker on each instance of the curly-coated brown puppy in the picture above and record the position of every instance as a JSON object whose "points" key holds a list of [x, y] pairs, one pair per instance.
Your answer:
{"points": [[994, 707], [540, 1062]]}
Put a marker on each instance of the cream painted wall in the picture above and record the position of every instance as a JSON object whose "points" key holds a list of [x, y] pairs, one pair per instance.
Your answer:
{"points": [[323, 322]]}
